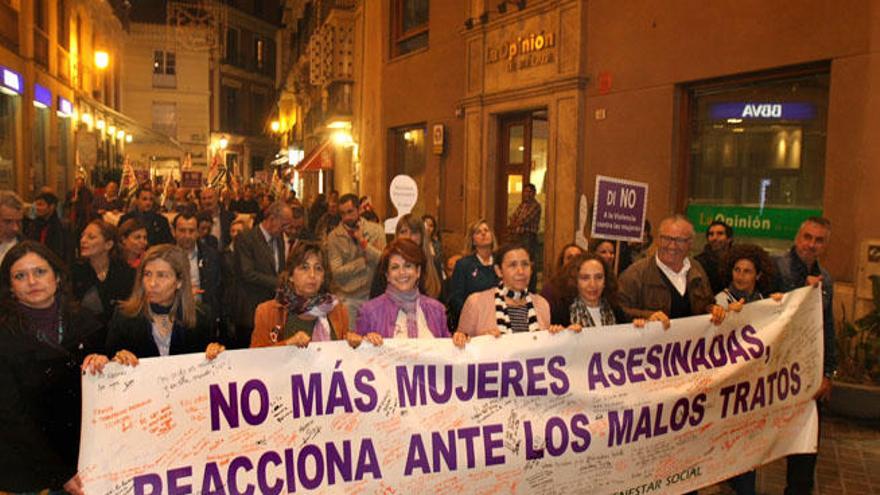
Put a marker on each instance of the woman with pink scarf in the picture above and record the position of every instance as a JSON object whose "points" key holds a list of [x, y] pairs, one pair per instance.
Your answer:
{"points": [[403, 311]]}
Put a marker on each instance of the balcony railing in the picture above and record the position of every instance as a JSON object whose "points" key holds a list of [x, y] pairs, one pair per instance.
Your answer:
{"points": [[8, 26], [168, 81], [41, 47], [63, 64]]}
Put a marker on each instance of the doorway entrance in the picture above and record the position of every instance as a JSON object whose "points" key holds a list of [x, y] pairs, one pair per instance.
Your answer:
{"points": [[523, 145]]}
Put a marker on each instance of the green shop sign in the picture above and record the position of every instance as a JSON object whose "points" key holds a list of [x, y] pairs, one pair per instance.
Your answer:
{"points": [[774, 223]]}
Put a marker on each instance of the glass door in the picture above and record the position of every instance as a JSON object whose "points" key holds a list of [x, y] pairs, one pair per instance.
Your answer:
{"points": [[523, 147]]}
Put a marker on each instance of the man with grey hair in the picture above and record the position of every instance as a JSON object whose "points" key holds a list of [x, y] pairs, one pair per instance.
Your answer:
{"points": [[799, 267], [11, 215], [260, 254], [669, 284]]}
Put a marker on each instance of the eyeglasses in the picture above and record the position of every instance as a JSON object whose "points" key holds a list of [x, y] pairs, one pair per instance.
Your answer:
{"points": [[681, 241]]}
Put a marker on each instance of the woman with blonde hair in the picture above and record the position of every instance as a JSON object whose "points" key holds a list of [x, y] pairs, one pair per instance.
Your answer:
{"points": [[161, 317], [475, 271]]}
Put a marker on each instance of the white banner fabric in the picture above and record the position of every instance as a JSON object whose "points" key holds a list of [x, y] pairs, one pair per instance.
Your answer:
{"points": [[612, 410]]}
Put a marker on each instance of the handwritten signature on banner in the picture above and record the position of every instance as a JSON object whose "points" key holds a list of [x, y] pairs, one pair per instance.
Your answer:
{"points": [[614, 410]]}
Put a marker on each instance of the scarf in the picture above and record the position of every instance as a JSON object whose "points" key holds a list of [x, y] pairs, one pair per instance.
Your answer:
{"points": [[319, 306], [502, 315], [580, 315], [408, 302], [734, 295], [46, 325]]}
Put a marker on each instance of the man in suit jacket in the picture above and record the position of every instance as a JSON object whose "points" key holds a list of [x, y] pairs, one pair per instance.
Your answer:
{"points": [[353, 248], [221, 217], [205, 267], [259, 259]]}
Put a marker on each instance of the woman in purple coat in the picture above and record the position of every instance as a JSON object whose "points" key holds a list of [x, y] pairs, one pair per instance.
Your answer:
{"points": [[403, 311]]}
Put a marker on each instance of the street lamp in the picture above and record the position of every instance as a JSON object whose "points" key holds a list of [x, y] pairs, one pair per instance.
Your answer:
{"points": [[102, 59]]}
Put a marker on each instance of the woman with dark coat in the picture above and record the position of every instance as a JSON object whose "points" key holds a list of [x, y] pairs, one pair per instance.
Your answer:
{"points": [[43, 338], [161, 318], [101, 278]]}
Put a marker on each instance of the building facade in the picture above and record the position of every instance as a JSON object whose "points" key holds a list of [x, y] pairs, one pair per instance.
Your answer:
{"points": [[167, 87], [61, 96], [758, 123], [243, 85]]}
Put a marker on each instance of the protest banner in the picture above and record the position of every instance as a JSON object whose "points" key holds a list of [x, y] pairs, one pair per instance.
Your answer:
{"points": [[611, 410]]}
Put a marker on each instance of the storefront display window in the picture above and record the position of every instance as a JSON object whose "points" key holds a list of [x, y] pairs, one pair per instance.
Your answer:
{"points": [[757, 152], [8, 138]]}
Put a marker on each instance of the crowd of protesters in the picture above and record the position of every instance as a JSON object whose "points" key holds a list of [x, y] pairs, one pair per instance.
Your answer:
{"points": [[171, 271]]}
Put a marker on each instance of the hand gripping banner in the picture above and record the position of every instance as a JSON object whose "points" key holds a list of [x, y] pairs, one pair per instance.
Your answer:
{"points": [[613, 410]]}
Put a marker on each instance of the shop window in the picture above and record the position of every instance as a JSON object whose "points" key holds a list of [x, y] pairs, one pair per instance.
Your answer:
{"points": [[408, 157], [409, 26], [757, 152], [9, 135], [165, 118]]}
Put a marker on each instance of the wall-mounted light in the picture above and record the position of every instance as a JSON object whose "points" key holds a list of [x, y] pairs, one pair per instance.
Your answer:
{"points": [[102, 59], [275, 126], [342, 138], [129, 138], [100, 125], [339, 124], [87, 119], [120, 134], [223, 142]]}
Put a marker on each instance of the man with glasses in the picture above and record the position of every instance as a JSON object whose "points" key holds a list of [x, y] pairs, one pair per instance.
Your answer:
{"points": [[669, 284]]}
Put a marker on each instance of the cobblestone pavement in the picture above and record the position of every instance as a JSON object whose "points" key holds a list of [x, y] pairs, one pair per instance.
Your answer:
{"points": [[849, 462]]}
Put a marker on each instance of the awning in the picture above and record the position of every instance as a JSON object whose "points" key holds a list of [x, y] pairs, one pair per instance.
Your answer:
{"points": [[142, 134], [320, 158]]}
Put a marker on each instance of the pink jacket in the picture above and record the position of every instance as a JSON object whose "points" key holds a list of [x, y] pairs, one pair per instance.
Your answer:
{"points": [[478, 314]]}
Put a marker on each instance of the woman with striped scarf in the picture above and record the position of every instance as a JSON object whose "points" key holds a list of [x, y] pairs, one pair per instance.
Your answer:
{"points": [[508, 307]]}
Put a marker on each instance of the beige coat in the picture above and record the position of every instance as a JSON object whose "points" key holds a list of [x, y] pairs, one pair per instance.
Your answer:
{"points": [[351, 266]]}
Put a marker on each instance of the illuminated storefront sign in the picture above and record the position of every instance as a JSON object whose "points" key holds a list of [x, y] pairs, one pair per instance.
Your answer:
{"points": [[65, 107], [42, 96], [762, 110], [525, 51], [11, 81]]}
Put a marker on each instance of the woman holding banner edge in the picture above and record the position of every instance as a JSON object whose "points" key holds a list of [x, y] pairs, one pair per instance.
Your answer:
{"points": [[43, 338]]}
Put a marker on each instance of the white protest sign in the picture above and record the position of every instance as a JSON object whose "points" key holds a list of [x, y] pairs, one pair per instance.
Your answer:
{"points": [[607, 411], [404, 193]]}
